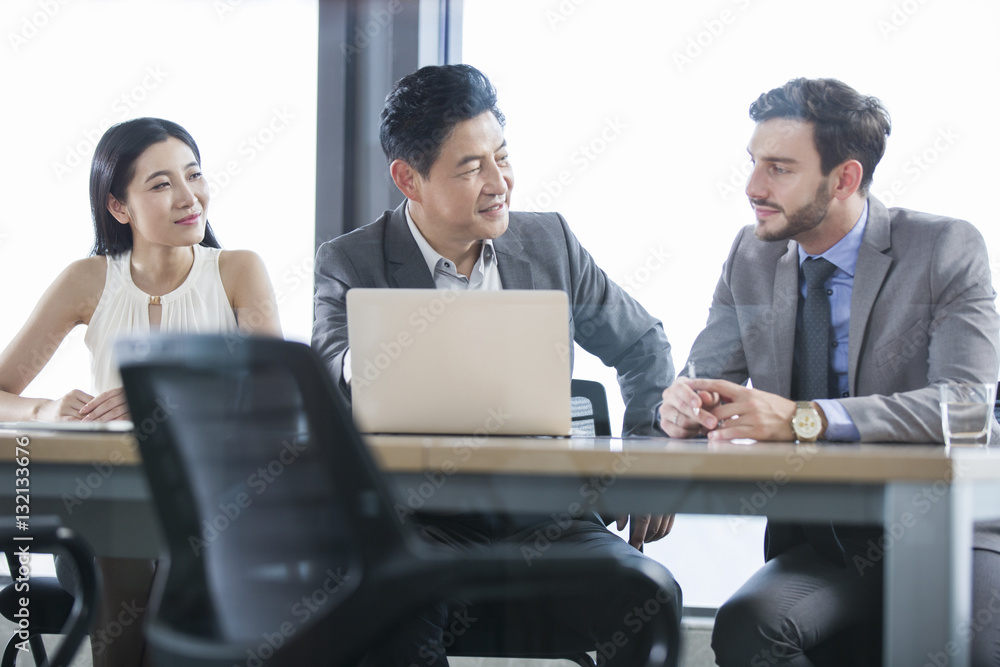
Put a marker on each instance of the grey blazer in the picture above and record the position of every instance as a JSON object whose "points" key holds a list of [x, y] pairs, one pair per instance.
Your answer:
{"points": [[538, 251], [922, 312]]}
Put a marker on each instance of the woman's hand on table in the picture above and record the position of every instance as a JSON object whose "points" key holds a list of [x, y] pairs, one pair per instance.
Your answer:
{"points": [[109, 406]]}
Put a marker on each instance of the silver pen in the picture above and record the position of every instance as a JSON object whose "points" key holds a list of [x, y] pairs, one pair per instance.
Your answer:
{"points": [[692, 374]]}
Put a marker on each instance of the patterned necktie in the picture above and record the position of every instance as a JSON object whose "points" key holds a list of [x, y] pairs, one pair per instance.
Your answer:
{"points": [[814, 363], [813, 369]]}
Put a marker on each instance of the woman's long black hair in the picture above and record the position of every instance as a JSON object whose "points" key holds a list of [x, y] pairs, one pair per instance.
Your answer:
{"points": [[112, 170]]}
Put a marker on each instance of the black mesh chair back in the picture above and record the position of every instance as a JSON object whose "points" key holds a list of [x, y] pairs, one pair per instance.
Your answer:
{"points": [[589, 406], [229, 431], [283, 546]]}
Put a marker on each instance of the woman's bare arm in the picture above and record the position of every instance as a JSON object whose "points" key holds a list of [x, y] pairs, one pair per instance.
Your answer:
{"points": [[69, 301], [249, 288]]}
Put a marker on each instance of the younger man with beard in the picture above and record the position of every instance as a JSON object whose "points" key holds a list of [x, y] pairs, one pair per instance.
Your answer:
{"points": [[855, 311]]}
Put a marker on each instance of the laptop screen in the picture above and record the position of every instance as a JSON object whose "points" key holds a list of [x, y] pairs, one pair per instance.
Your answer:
{"points": [[474, 363]]}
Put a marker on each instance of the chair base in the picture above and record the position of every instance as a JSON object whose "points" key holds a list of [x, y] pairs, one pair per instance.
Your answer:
{"points": [[51, 606]]}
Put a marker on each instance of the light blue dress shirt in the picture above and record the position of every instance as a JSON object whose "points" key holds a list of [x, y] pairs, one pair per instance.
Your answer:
{"points": [[843, 255]]}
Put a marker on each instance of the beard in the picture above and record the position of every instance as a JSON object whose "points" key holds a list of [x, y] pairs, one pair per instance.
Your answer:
{"points": [[806, 218]]}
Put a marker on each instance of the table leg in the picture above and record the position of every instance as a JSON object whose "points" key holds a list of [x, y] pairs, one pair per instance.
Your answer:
{"points": [[927, 545]]}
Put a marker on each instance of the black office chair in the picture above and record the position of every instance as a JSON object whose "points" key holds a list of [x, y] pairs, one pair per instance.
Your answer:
{"points": [[51, 610], [996, 404], [282, 540], [589, 407]]}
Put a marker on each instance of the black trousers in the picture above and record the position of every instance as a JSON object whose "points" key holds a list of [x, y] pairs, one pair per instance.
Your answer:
{"points": [[984, 623], [423, 641], [793, 606], [801, 610]]}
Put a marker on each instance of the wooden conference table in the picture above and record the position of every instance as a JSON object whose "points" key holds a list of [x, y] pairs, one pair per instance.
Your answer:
{"points": [[925, 497]]}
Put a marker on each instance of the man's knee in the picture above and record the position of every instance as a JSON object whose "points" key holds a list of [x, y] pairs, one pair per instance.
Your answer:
{"points": [[748, 633], [671, 596], [667, 595]]}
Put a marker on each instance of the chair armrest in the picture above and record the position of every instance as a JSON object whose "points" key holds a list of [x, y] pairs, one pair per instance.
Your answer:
{"points": [[47, 535]]}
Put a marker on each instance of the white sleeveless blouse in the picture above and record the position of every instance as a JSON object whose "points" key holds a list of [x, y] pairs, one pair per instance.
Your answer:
{"points": [[199, 305]]}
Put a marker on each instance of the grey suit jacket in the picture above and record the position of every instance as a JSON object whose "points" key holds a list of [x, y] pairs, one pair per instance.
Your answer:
{"points": [[538, 251], [922, 313]]}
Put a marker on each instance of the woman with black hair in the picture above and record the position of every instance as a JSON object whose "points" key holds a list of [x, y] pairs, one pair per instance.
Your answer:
{"points": [[156, 265]]}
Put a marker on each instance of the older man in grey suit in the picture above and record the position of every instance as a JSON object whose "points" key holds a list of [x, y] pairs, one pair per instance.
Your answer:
{"points": [[844, 316], [443, 135]]}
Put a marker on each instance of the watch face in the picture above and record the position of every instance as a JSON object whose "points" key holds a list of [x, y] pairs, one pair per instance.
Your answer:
{"points": [[807, 424]]}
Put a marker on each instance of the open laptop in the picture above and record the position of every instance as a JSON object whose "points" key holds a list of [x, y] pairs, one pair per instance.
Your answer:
{"points": [[474, 363]]}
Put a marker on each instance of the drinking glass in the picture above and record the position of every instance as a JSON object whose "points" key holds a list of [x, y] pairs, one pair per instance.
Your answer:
{"points": [[966, 409]]}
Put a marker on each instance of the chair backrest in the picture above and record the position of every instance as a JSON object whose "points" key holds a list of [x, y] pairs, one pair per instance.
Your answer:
{"points": [[247, 437], [996, 405], [590, 408]]}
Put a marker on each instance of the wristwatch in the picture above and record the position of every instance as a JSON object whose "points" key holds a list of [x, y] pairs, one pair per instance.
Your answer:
{"points": [[807, 423]]}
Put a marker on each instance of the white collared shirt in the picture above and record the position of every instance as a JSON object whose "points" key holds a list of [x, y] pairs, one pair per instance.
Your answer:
{"points": [[485, 274]]}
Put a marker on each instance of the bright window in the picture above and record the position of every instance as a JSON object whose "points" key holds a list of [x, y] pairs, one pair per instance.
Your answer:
{"points": [[244, 89], [631, 119]]}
